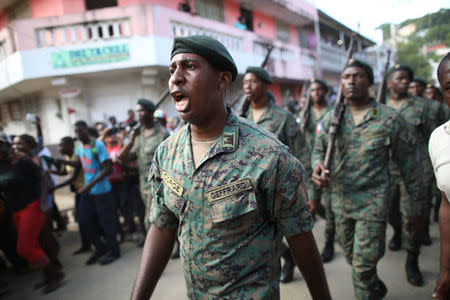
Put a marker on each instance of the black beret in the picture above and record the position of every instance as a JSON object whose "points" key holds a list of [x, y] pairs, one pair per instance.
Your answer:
{"points": [[261, 73], [147, 104], [399, 67], [360, 64], [419, 79], [320, 81], [208, 48]]}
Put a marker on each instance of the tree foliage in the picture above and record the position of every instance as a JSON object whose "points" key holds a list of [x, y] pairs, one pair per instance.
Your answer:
{"points": [[409, 54]]}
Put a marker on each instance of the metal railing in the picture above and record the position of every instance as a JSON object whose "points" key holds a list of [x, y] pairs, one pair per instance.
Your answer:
{"points": [[83, 32]]}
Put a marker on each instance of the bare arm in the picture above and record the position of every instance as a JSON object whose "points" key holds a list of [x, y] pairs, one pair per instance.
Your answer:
{"points": [[155, 255], [72, 178], [306, 256], [107, 169], [127, 148], [442, 289]]}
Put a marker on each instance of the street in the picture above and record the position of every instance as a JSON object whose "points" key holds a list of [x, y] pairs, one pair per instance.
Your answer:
{"points": [[115, 281]]}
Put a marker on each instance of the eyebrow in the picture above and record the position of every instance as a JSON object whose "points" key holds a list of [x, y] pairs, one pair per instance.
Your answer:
{"points": [[183, 61]]}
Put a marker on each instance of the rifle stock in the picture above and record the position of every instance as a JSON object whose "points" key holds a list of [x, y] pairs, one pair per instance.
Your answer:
{"points": [[242, 111], [338, 111], [161, 98], [307, 110], [381, 97]]}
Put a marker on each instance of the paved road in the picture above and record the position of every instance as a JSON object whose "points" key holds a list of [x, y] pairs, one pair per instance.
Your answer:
{"points": [[115, 281]]}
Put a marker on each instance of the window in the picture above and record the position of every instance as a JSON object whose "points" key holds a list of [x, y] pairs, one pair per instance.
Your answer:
{"points": [[282, 32], [248, 16], [211, 9], [96, 4], [307, 37], [15, 110], [18, 11]]}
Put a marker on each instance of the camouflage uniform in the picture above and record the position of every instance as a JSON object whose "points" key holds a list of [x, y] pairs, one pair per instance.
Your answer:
{"points": [[232, 210], [282, 123], [314, 192], [360, 186], [143, 149], [421, 115]]}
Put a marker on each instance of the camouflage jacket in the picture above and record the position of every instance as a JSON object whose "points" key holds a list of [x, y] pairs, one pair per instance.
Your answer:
{"points": [[310, 131], [232, 210], [143, 149], [359, 172], [282, 124], [423, 116]]}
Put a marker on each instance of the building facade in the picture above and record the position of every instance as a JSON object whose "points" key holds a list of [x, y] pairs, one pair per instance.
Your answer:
{"points": [[66, 60]]}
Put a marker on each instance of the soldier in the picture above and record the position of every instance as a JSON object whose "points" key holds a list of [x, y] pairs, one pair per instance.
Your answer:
{"points": [[318, 109], [234, 189], [417, 86], [367, 133], [439, 148], [142, 146], [421, 117], [264, 112]]}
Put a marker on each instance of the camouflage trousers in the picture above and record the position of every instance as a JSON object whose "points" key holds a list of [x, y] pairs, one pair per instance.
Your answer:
{"points": [[363, 243], [397, 198], [323, 196]]}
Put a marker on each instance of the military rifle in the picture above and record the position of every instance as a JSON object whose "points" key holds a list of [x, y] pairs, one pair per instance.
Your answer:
{"points": [[242, 111], [381, 97], [338, 112], [161, 98], [307, 110]]}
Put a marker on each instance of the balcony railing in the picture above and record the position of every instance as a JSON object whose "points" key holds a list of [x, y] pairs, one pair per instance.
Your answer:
{"points": [[231, 42], [82, 32]]}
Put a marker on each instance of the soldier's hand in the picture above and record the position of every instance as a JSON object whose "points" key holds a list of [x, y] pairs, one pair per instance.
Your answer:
{"points": [[312, 206], [416, 226], [318, 179], [442, 289]]}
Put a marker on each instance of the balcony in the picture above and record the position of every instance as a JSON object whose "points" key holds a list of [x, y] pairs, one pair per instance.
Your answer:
{"points": [[332, 58], [130, 37]]}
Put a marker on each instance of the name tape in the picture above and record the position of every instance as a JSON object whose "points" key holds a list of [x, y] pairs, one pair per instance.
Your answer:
{"points": [[228, 190], [172, 184]]}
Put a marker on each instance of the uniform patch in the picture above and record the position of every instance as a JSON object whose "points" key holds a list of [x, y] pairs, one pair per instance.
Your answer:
{"points": [[172, 184], [228, 190], [229, 140]]}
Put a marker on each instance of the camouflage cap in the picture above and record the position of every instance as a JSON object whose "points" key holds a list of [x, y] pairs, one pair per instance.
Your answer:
{"points": [[207, 47], [261, 73], [320, 81], [399, 67], [360, 64]]}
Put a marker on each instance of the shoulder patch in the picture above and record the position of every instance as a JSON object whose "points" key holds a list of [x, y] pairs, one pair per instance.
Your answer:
{"points": [[230, 189], [172, 184]]}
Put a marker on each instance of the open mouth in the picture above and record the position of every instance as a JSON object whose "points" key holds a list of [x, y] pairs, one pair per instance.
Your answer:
{"points": [[181, 101]]}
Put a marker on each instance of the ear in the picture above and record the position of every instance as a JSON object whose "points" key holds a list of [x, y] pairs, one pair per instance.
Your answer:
{"points": [[224, 80]]}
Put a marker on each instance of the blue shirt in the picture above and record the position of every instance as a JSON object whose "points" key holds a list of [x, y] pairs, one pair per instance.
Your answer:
{"points": [[92, 166]]}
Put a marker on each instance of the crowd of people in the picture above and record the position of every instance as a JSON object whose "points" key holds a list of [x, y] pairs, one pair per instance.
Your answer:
{"points": [[235, 184]]}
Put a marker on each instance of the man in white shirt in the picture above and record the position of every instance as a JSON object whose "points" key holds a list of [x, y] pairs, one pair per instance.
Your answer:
{"points": [[439, 148]]}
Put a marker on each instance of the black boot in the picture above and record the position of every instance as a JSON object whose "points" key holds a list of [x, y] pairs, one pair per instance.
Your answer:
{"points": [[396, 242], [426, 236], [287, 272], [176, 251], [328, 251], [54, 278], [413, 273]]}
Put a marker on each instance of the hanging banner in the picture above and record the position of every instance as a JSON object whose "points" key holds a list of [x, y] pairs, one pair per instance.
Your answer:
{"points": [[90, 56]]}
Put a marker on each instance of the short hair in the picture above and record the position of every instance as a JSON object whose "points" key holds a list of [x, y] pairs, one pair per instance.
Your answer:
{"points": [[81, 123], [67, 140], [29, 140], [444, 61]]}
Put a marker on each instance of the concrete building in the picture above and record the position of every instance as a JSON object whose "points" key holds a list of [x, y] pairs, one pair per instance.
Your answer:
{"points": [[66, 60]]}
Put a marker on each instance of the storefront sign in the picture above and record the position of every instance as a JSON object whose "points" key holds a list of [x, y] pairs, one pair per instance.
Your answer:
{"points": [[90, 56]]}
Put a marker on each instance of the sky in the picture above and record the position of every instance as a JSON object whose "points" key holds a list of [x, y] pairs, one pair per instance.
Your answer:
{"points": [[372, 13]]}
